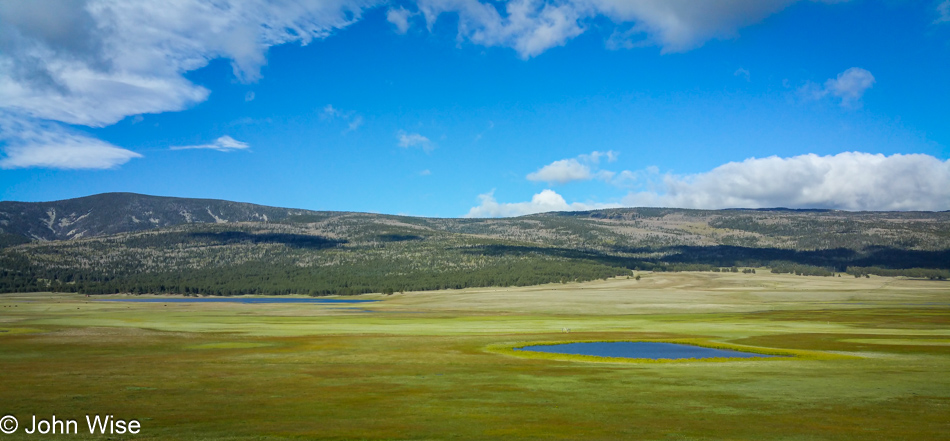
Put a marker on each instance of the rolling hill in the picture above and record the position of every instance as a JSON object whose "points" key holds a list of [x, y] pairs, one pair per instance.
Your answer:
{"points": [[123, 242]]}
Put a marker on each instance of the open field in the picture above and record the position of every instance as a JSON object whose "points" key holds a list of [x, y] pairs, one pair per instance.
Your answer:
{"points": [[416, 365]]}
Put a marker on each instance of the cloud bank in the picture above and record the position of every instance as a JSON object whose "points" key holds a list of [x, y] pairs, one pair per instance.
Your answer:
{"points": [[848, 181]]}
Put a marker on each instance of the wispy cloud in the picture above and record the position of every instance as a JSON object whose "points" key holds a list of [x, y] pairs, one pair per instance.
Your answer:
{"points": [[407, 140], [35, 144], [352, 119], [943, 12], [743, 73], [354, 124], [222, 144]]}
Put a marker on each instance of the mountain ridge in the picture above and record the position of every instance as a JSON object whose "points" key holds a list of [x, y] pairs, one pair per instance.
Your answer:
{"points": [[112, 213], [120, 212], [151, 244]]}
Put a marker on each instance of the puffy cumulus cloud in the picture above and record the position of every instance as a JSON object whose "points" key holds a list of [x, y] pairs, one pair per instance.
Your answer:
{"points": [[547, 200], [48, 145], [94, 62], [849, 181], [849, 86], [582, 168], [222, 144], [561, 172], [406, 140]]}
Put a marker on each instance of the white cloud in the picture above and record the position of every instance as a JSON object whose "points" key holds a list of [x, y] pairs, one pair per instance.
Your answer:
{"points": [[583, 168], [547, 200], [248, 97], [943, 12], [406, 140], [354, 124], [849, 181], [533, 26], [743, 73], [681, 25], [399, 17], [94, 62], [561, 172], [330, 112], [849, 86], [594, 157], [529, 26], [222, 144], [29, 143], [353, 120], [425, 172]]}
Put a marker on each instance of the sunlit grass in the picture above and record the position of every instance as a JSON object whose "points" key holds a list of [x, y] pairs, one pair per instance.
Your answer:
{"points": [[869, 362]]}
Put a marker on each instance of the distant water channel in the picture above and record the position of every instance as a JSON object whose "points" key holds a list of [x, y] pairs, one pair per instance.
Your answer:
{"points": [[641, 349], [237, 300]]}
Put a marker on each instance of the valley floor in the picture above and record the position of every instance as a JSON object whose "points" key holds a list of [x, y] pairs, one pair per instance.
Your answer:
{"points": [[415, 366]]}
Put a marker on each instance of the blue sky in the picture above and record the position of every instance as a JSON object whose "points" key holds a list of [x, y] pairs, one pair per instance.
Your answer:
{"points": [[460, 107]]}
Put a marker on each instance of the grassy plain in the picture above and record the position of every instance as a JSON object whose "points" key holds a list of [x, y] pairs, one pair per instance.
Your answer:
{"points": [[418, 366]]}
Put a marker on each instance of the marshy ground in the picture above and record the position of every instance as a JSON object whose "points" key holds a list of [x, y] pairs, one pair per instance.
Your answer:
{"points": [[415, 365]]}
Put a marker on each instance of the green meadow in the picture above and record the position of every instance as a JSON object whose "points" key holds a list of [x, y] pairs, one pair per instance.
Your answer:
{"points": [[873, 365]]}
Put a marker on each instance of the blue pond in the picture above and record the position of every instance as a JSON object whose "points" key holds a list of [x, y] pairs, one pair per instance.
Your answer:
{"points": [[629, 349], [237, 300]]}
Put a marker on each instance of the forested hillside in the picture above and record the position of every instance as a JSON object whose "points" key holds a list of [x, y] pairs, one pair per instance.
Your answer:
{"points": [[143, 244]]}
